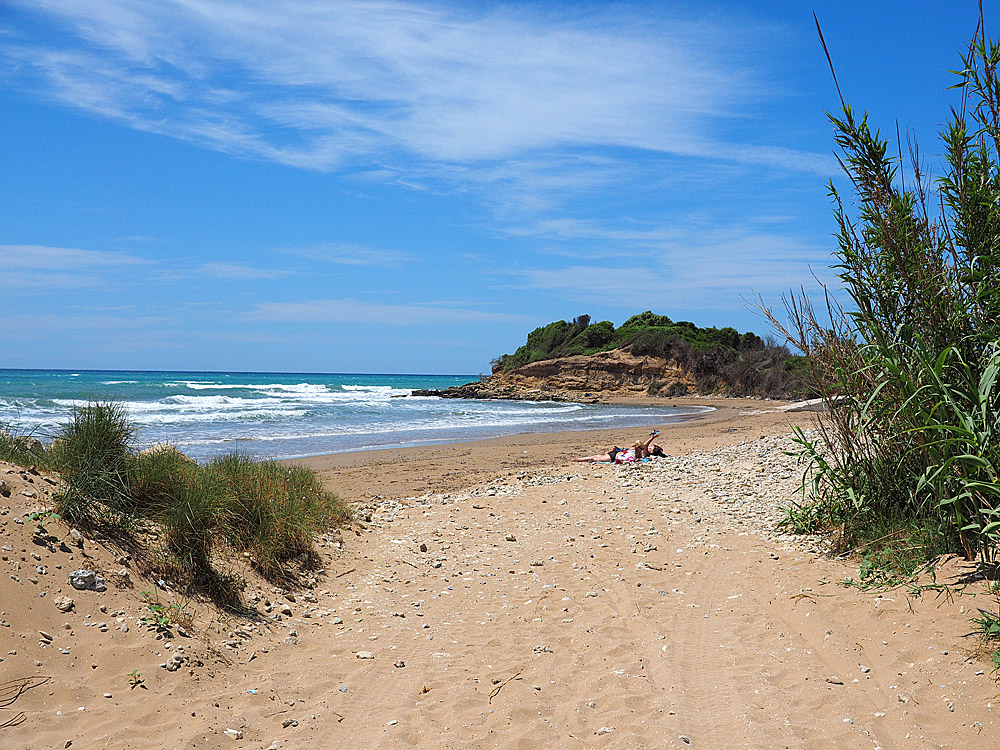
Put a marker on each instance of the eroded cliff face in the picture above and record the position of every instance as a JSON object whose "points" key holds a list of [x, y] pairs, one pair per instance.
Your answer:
{"points": [[579, 378]]}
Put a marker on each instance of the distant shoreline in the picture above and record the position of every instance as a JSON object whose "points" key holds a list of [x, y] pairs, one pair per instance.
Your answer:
{"points": [[402, 472]]}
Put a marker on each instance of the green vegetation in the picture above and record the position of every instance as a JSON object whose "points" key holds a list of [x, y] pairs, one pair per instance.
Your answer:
{"points": [[909, 461], [203, 514], [720, 359]]}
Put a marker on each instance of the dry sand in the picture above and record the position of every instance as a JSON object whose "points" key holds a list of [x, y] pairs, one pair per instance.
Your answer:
{"points": [[510, 598]]}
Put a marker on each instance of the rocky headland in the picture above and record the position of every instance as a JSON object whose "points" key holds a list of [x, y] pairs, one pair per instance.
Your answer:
{"points": [[580, 378]]}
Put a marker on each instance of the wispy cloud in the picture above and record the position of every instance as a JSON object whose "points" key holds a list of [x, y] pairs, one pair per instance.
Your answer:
{"points": [[239, 272], [711, 274], [329, 86], [349, 254], [355, 311], [40, 266]]}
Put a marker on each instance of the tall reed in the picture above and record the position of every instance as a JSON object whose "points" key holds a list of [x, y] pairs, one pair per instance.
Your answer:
{"points": [[909, 369]]}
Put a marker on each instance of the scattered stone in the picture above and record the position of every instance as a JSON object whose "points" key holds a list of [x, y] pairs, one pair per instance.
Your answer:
{"points": [[175, 661], [34, 445], [166, 448], [86, 580], [543, 649]]}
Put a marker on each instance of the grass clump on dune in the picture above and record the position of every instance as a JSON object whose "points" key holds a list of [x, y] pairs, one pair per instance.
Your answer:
{"points": [[233, 505], [271, 511]]}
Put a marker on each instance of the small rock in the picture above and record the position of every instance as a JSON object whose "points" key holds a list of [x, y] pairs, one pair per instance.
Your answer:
{"points": [[86, 580], [537, 563], [45, 636], [835, 680], [365, 655], [289, 723], [285, 610], [685, 739], [399, 664], [604, 730], [236, 734], [423, 547], [511, 538]]}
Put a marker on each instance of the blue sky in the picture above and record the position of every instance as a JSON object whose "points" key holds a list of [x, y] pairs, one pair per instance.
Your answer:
{"points": [[413, 186]]}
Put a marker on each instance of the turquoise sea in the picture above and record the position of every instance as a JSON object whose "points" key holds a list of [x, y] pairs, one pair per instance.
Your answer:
{"points": [[283, 415]]}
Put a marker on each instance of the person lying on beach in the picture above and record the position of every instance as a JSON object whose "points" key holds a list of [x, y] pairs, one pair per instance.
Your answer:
{"points": [[637, 452]]}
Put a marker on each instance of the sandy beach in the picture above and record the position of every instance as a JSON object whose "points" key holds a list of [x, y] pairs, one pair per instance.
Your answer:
{"points": [[495, 594]]}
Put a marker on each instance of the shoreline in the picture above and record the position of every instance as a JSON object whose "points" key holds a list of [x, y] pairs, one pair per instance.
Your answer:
{"points": [[450, 467]]}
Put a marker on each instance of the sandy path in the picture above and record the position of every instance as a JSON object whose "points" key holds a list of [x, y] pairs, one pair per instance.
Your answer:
{"points": [[580, 606]]}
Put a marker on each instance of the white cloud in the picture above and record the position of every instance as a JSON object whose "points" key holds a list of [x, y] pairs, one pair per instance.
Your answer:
{"points": [[29, 267], [712, 273], [238, 272], [327, 85], [355, 311], [348, 254], [44, 258]]}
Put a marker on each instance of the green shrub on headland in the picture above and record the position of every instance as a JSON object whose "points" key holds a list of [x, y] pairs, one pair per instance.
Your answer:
{"points": [[720, 359], [233, 505]]}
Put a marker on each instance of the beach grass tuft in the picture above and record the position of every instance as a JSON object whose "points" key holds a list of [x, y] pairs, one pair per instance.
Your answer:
{"points": [[271, 511], [206, 514]]}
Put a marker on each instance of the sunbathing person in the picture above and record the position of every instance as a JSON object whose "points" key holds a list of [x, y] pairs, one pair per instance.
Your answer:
{"points": [[638, 451]]}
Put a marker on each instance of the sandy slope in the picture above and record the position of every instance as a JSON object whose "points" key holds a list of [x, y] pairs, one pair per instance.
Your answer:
{"points": [[559, 606]]}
